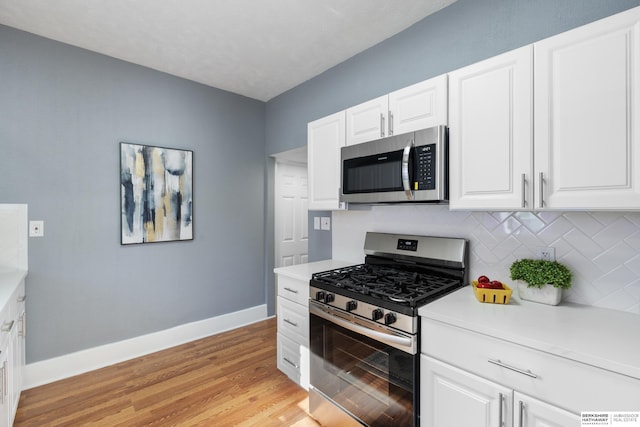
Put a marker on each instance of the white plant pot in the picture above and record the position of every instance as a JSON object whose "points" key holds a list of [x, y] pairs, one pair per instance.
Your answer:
{"points": [[547, 294]]}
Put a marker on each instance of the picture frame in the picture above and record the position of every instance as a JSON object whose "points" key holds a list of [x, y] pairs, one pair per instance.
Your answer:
{"points": [[156, 194]]}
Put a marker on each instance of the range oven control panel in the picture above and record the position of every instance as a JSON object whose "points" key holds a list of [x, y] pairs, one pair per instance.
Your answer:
{"points": [[365, 310]]}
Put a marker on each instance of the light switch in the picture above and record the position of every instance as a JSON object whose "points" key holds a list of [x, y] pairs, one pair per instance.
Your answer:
{"points": [[316, 223], [36, 228], [325, 223]]}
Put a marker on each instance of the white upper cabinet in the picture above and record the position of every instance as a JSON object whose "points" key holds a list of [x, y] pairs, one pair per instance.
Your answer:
{"points": [[559, 129], [490, 138], [325, 137], [415, 107], [419, 106], [587, 116], [367, 121]]}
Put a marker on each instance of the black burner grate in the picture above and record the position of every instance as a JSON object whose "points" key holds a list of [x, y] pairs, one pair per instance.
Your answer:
{"points": [[404, 287]]}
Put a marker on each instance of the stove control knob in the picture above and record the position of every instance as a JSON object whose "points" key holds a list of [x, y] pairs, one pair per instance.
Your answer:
{"points": [[377, 314], [389, 318], [329, 298], [351, 305], [320, 296]]}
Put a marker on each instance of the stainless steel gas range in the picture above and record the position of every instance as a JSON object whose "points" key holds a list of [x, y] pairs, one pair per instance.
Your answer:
{"points": [[364, 328]]}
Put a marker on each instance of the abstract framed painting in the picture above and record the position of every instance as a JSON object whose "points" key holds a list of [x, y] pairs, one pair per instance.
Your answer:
{"points": [[156, 194]]}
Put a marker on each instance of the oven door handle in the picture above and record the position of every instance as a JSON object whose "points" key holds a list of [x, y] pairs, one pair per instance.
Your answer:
{"points": [[401, 342], [406, 179]]}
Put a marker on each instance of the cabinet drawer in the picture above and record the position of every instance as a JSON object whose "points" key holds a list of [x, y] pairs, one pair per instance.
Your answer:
{"points": [[7, 322], [293, 289], [563, 382], [293, 321], [289, 357]]}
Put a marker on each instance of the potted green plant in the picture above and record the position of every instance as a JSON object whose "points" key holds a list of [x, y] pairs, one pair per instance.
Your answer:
{"points": [[541, 280]]}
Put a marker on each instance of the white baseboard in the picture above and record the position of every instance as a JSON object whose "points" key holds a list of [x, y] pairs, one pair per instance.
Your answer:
{"points": [[66, 366]]}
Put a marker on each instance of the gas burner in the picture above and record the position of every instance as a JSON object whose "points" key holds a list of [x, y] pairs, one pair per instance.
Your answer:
{"points": [[394, 286]]}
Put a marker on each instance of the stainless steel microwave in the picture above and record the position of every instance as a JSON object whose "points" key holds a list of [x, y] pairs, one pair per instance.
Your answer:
{"points": [[412, 167]]}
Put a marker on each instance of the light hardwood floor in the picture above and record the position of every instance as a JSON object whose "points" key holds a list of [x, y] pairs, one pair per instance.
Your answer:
{"points": [[229, 379]]}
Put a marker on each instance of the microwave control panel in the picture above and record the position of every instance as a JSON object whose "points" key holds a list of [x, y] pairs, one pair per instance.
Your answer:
{"points": [[425, 167]]}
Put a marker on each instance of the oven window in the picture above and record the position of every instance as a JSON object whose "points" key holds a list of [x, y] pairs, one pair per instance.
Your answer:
{"points": [[372, 381]]}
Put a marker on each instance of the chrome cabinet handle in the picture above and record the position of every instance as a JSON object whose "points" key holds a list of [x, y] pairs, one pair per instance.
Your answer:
{"points": [[406, 185], [7, 326], [291, 290], [541, 189], [390, 123], [290, 362], [513, 368], [381, 125], [4, 382], [521, 411], [22, 298], [524, 190], [23, 321], [291, 323], [500, 420]]}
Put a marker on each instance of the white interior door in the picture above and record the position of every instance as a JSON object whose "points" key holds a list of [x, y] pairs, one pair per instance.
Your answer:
{"points": [[291, 217]]}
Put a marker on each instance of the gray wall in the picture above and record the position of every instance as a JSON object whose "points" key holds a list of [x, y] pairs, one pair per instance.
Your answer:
{"points": [[63, 112]]}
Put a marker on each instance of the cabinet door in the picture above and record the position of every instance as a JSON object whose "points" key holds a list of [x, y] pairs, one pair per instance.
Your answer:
{"points": [[490, 133], [5, 401], [367, 121], [419, 106], [530, 412], [18, 337], [325, 137], [451, 397], [587, 115]]}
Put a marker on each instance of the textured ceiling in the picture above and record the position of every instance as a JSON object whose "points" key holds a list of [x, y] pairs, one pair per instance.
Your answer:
{"points": [[256, 48]]}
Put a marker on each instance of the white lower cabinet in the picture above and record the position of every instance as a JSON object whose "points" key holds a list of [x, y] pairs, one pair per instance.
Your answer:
{"points": [[293, 328], [471, 379], [12, 355], [531, 412], [5, 402], [452, 397]]}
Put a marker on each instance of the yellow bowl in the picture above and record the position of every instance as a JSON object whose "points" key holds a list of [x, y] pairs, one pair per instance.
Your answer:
{"points": [[494, 296]]}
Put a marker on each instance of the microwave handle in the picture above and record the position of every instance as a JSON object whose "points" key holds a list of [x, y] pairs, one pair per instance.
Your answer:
{"points": [[406, 183]]}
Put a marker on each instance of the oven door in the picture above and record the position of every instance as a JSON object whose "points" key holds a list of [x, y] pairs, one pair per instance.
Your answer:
{"points": [[361, 372]]}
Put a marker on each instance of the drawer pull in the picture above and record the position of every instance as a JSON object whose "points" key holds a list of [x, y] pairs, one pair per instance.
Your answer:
{"points": [[291, 290], [7, 326], [290, 362], [291, 323], [513, 368], [22, 298]]}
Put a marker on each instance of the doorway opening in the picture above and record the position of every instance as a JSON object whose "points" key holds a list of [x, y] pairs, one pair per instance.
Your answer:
{"points": [[291, 234]]}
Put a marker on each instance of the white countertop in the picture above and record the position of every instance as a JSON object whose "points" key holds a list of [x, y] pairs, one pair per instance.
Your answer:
{"points": [[10, 278], [608, 339], [305, 271]]}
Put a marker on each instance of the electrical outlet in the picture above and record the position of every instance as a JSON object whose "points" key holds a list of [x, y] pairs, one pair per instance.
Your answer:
{"points": [[325, 223], [547, 254], [36, 228]]}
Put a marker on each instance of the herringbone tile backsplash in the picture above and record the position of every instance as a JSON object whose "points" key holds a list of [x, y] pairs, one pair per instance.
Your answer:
{"points": [[602, 249]]}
